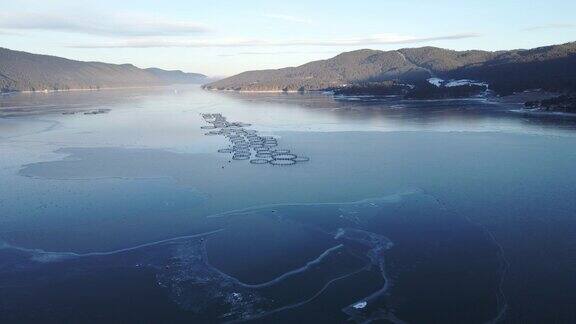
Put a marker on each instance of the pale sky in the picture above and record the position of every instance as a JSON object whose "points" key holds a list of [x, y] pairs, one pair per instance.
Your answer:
{"points": [[221, 38]]}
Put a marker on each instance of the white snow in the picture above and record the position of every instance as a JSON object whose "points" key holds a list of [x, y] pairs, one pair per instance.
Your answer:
{"points": [[360, 305], [457, 83], [436, 81]]}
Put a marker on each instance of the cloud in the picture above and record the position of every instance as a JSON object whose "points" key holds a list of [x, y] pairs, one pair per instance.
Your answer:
{"points": [[550, 26], [292, 19], [115, 25], [382, 39]]}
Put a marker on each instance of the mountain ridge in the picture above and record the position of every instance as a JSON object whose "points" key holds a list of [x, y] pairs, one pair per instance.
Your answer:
{"points": [[23, 71], [413, 65]]}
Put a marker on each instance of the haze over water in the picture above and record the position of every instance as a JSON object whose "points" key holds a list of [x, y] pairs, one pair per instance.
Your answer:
{"points": [[404, 209]]}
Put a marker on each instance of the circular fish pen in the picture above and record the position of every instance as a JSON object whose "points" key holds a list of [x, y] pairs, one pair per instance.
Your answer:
{"points": [[282, 162], [260, 161], [240, 157], [284, 156], [264, 155], [302, 159]]}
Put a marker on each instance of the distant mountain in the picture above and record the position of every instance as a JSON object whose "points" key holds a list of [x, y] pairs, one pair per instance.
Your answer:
{"points": [[21, 71], [551, 67], [177, 76]]}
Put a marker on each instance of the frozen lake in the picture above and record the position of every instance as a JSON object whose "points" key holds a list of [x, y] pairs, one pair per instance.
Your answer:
{"points": [[408, 211]]}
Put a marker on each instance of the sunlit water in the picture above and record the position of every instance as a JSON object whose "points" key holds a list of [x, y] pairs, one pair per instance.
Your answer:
{"points": [[408, 211]]}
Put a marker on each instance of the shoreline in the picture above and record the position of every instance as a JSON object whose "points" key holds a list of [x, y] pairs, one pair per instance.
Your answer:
{"points": [[514, 98], [92, 89], [259, 91]]}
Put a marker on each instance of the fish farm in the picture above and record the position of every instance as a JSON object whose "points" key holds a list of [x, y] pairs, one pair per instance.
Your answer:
{"points": [[246, 144]]}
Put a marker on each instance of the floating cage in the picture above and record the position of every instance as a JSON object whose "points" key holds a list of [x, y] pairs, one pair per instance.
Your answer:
{"points": [[225, 150], [263, 155], [260, 161], [239, 124], [301, 159], [240, 157], [282, 162], [284, 156]]}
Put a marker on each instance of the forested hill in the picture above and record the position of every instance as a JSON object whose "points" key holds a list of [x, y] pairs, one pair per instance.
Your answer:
{"points": [[505, 71], [21, 71]]}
